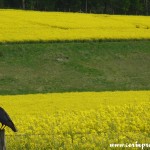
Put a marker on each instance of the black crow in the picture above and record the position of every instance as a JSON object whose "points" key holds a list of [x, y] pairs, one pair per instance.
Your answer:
{"points": [[6, 121]]}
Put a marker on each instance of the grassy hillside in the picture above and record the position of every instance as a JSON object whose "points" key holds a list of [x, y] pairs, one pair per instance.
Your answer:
{"points": [[18, 25], [61, 67]]}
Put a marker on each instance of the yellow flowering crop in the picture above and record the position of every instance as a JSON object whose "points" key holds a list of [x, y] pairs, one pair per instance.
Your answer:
{"points": [[69, 121], [19, 25]]}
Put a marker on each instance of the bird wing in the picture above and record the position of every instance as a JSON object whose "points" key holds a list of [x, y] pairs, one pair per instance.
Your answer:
{"points": [[6, 120], [4, 115]]}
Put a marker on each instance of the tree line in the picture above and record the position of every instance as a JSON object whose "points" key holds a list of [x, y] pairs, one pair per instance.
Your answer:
{"points": [[130, 7]]}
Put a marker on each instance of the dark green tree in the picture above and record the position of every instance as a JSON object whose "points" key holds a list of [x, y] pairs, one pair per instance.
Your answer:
{"points": [[136, 7], [139, 7], [1, 3]]}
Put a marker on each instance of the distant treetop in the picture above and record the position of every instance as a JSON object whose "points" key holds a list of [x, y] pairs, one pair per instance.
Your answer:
{"points": [[130, 7]]}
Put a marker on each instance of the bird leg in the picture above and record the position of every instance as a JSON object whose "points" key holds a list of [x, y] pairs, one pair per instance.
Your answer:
{"points": [[2, 127]]}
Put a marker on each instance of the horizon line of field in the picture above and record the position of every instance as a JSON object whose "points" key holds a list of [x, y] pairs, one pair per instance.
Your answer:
{"points": [[75, 41], [69, 92]]}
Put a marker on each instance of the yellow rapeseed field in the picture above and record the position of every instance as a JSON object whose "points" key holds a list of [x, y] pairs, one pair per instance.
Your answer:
{"points": [[19, 25], [78, 121]]}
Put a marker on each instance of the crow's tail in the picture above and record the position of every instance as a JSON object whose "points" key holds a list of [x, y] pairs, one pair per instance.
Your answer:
{"points": [[12, 126]]}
